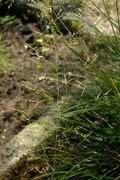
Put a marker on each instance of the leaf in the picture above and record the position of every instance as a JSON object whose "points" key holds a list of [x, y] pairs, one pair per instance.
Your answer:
{"points": [[45, 49], [40, 40]]}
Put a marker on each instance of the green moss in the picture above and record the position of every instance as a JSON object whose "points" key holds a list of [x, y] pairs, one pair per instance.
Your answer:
{"points": [[5, 64]]}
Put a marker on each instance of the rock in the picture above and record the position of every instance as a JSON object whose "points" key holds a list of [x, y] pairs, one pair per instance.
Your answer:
{"points": [[97, 13], [29, 138], [87, 17], [82, 16]]}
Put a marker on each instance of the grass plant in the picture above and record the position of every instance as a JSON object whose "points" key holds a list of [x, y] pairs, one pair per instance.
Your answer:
{"points": [[86, 145]]}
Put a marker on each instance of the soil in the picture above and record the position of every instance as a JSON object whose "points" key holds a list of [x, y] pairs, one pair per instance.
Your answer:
{"points": [[18, 95]]}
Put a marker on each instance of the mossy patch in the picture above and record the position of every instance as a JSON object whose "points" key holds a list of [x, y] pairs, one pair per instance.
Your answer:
{"points": [[5, 64]]}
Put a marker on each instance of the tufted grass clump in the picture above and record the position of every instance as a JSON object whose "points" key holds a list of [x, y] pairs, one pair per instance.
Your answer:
{"points": [[86, 145]]}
